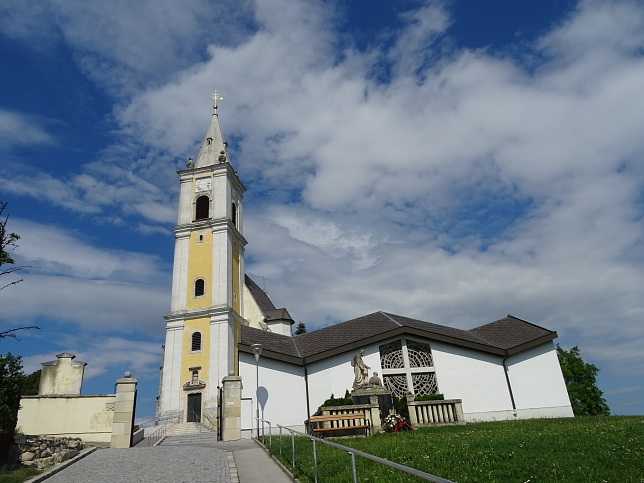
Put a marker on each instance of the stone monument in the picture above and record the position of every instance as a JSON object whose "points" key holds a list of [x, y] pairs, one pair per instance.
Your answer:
{"points": [[366, 390]]}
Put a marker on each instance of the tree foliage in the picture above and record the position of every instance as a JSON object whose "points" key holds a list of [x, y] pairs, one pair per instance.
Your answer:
{"points": [[31, 384], [581, 382], [300, 328], [11, 381]]}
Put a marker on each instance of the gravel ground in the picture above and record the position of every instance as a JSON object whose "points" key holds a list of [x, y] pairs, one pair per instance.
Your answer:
{"points": [[191, 458], [183, 463]]}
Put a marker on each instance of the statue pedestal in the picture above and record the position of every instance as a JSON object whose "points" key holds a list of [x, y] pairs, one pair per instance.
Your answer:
{"points": [[378, 397]]}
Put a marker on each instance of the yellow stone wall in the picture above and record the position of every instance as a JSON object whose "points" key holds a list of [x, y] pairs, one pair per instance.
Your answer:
{"points": [[199, 266], [195, 359]]}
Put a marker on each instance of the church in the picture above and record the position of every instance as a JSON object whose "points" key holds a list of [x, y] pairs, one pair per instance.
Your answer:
{"points": [[222, 324]]}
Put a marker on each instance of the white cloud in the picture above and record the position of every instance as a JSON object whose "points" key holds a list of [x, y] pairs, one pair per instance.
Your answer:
{"points": [[469, 184], [73, 281], [125, 46], [18, 129], [387, 183], [102, 354]]}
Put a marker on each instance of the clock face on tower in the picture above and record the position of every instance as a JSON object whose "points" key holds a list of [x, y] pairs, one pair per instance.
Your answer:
{"points": [[202, 184]]}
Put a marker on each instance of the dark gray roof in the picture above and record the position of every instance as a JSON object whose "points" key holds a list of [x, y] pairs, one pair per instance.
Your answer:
{"points": [[277, 314], [261, 297], [276, 345], [503, 337], [513, 334]]}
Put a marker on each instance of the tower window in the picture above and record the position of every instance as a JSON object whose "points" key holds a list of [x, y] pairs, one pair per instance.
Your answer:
{"points": [[195, 342], [203, 208], [200, 287]]}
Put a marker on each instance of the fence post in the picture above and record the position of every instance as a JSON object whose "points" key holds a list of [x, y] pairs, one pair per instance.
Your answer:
{"points": [[280, 440], [353, 467], [292, 449], [411, 409], [376, 424], [315, 463]]}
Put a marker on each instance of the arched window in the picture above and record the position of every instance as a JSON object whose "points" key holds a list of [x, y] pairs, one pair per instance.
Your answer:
{"points": [[203, 208], [233, 214], [196, 341], [200, 287]]}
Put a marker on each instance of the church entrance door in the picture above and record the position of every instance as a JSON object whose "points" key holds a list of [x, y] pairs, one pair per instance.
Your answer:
{"points": [[194, 408]]}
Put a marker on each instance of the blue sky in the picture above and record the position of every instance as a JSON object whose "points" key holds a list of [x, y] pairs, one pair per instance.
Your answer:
{"points": [[448, 161]]}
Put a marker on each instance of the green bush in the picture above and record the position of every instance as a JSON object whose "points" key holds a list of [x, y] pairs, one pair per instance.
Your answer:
{"points": [[339, 401], [430, 397], [400, 406]]}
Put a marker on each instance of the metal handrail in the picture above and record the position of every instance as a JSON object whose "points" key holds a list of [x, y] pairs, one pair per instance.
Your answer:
{"points": [[270, 433], [155, 438], [353, 452]]}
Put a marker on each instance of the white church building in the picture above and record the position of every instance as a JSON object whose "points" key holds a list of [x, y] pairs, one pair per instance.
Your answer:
{"points": [[500, 370]]}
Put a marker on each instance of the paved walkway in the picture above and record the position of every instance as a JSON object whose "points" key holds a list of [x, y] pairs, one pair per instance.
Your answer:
{"points": [[177, 460]]}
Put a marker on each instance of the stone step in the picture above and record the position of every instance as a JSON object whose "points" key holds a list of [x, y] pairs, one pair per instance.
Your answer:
{"points": [[190, 439], [187, 428]]}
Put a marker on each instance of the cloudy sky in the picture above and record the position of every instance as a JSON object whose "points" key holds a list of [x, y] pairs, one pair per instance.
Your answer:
{"points": [[454, 161]]}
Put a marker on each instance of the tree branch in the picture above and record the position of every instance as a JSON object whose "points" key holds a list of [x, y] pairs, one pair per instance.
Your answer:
{"points": [[8, 333]]}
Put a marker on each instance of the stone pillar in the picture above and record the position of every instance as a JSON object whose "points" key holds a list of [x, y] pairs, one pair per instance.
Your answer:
{"points": [[376, 424], [123, 412], [231, 408], [413, 418], [458, 406]]}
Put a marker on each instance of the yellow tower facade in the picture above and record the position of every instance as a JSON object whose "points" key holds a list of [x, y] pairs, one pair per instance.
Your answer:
{"points": [[207, 285]]}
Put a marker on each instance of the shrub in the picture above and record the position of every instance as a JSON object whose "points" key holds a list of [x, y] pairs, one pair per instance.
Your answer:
{"points": [[339, 401], [430, 397]]}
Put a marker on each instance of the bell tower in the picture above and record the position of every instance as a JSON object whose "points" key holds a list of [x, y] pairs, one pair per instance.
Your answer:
{"points": [[207, 284]]}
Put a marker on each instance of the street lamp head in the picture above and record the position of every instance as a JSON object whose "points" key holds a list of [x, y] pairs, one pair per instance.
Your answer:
{"points": [[257, 350]]}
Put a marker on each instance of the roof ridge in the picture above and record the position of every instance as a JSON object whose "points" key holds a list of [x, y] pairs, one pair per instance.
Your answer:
{"points": [[297, 349], [390, 318]]}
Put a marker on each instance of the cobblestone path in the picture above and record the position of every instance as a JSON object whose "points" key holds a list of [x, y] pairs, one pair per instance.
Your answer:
{"points": [[181, 462]]}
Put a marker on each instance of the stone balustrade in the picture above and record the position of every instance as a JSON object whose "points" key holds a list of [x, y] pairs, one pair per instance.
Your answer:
{"points": [[433, 413]]}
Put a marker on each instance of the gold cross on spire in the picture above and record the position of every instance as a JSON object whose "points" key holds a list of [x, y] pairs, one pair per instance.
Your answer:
{"points": [[216, 97]]}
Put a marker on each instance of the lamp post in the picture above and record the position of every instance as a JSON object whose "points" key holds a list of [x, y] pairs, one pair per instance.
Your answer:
{"points": [[257, 350]]}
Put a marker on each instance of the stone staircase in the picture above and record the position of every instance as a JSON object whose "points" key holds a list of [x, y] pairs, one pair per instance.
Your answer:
{"points": [[189, 434]]}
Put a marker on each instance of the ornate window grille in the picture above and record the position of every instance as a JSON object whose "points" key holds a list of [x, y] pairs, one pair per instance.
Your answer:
{"points": [[408, 366]]}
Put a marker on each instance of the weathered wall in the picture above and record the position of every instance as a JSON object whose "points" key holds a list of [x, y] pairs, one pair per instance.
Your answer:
{"points": [[62, 376], [87, 417]]}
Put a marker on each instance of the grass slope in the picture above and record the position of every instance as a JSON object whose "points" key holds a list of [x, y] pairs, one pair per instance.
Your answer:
{"points": [[582, 449]]}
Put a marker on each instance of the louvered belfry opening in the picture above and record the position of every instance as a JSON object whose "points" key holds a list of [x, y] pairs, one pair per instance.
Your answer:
{"points": [[196, 341], [202, 211], [200, 287]]}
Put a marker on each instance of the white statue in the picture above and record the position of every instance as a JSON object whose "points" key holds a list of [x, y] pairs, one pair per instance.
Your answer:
{"points": [[360, 369]]}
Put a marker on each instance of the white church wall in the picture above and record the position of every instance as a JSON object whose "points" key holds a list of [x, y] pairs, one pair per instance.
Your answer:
{"points": [[252, 312], [170, 391], [335, 374], [475, 377], [282, 392], [537, 383]]}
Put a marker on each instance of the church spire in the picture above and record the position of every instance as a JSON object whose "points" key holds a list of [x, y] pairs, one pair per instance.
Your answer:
{"points": [[213, 148]]}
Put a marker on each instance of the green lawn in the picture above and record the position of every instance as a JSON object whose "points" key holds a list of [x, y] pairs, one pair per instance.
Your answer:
{"points": [[18, 475], [584, 449]]}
